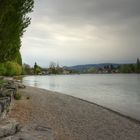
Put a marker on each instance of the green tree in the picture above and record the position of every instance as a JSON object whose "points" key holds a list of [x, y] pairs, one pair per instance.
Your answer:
{"points": [[13, 22], [12, 68], [92, 70], [132, 67], [37, 69], [125, 69], [111, 67], [27, 69], [17, 58], [138, 66], [52, 68], [2, 69]]}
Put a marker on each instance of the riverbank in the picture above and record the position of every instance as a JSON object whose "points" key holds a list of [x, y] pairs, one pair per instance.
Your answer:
{"points": [[69, 118]]}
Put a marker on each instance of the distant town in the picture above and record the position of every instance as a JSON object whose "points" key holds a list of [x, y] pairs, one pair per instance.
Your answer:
{"points": [[103, 68]]}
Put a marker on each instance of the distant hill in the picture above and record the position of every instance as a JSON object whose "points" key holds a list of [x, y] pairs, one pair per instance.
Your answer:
{"points": [[82, 68]]}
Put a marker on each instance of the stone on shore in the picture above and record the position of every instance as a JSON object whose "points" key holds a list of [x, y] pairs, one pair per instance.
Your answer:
{"points": [[9, 127], [4, 106], [20, 85], [41, 133], [21, 136]]}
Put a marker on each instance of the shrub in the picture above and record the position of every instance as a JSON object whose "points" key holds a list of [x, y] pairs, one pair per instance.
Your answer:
{"points": [[12, 68], [2, 82], [2, 69], [17, 96], [125, 69]]}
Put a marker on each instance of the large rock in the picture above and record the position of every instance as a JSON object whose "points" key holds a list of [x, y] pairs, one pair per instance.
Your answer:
{"points": [[9, 127], [21, 136], [20, 85], [5, 92], [4, 106], [41, 133], [11, 85]]}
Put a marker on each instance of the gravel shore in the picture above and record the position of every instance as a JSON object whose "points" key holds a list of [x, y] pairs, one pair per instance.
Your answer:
{"points": [[70, 118]]}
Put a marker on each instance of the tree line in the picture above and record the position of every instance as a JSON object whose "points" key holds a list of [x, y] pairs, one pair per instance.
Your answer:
{"points": [[121, 68], [130, 68], [52, 69], [13, 23], [56, 69]]}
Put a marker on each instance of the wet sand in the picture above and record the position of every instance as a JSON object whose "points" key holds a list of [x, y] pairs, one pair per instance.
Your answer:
{"points": [[70, 118]]}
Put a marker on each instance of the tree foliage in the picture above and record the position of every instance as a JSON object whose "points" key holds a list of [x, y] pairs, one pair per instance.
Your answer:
{"points": [[2, 69], [127, 68], [27, 69], [91, 70], [10, 68], [13, 22], [138, 66], [37, 69]]}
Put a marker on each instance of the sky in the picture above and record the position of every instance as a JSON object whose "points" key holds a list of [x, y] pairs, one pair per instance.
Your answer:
{"points": [[72, 32]]}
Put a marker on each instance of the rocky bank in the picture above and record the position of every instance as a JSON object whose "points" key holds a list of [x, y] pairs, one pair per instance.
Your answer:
{"points": [[11, 129]]}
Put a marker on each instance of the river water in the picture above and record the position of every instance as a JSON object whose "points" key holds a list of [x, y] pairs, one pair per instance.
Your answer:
{"points": [[119, 92]]}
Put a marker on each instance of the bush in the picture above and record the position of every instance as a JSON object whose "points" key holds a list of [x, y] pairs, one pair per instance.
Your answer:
{"points": [[126, 68], [2, 82], [2, 69], [17, 96], [12, 68]]}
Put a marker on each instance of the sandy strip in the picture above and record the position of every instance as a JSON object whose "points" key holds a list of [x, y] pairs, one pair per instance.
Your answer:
{"points": [[71, 118]]}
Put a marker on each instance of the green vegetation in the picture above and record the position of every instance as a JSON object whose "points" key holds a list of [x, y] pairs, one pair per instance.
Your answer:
{"points": [[10, 68], [17, 96], [13, 22], [27, 70], [138, 66], [2, 82], [130, 68], [121, 68], [92, 70], [54, 69], [2, 69], [103, 68], [37, 69], [125, 69], [13, 68]]}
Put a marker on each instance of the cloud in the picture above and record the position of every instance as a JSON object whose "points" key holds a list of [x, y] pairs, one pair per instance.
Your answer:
{"points": [[83, 31]]}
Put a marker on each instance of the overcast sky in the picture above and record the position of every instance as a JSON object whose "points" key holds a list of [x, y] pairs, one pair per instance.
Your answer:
{"points": [[73, 32]]}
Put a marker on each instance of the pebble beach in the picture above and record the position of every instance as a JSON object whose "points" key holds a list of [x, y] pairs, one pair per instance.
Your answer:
{"points": [[69, 118]]}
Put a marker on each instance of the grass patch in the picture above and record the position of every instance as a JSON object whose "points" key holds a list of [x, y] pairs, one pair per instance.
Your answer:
{"points": [[2, 83], [17, 96]]}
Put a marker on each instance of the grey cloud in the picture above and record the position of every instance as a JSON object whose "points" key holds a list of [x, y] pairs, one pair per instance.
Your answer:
{"points": [[90, 11], [109, 26]]}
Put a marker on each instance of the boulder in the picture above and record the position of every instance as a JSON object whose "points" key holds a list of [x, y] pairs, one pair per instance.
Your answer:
{"points": [[30, 135], [9, 127], [11, 86], [20, 85], [21, 136], [6, 92], [4, 104]]}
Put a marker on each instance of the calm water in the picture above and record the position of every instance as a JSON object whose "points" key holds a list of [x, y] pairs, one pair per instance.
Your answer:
{"points": [[120, 92]]}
